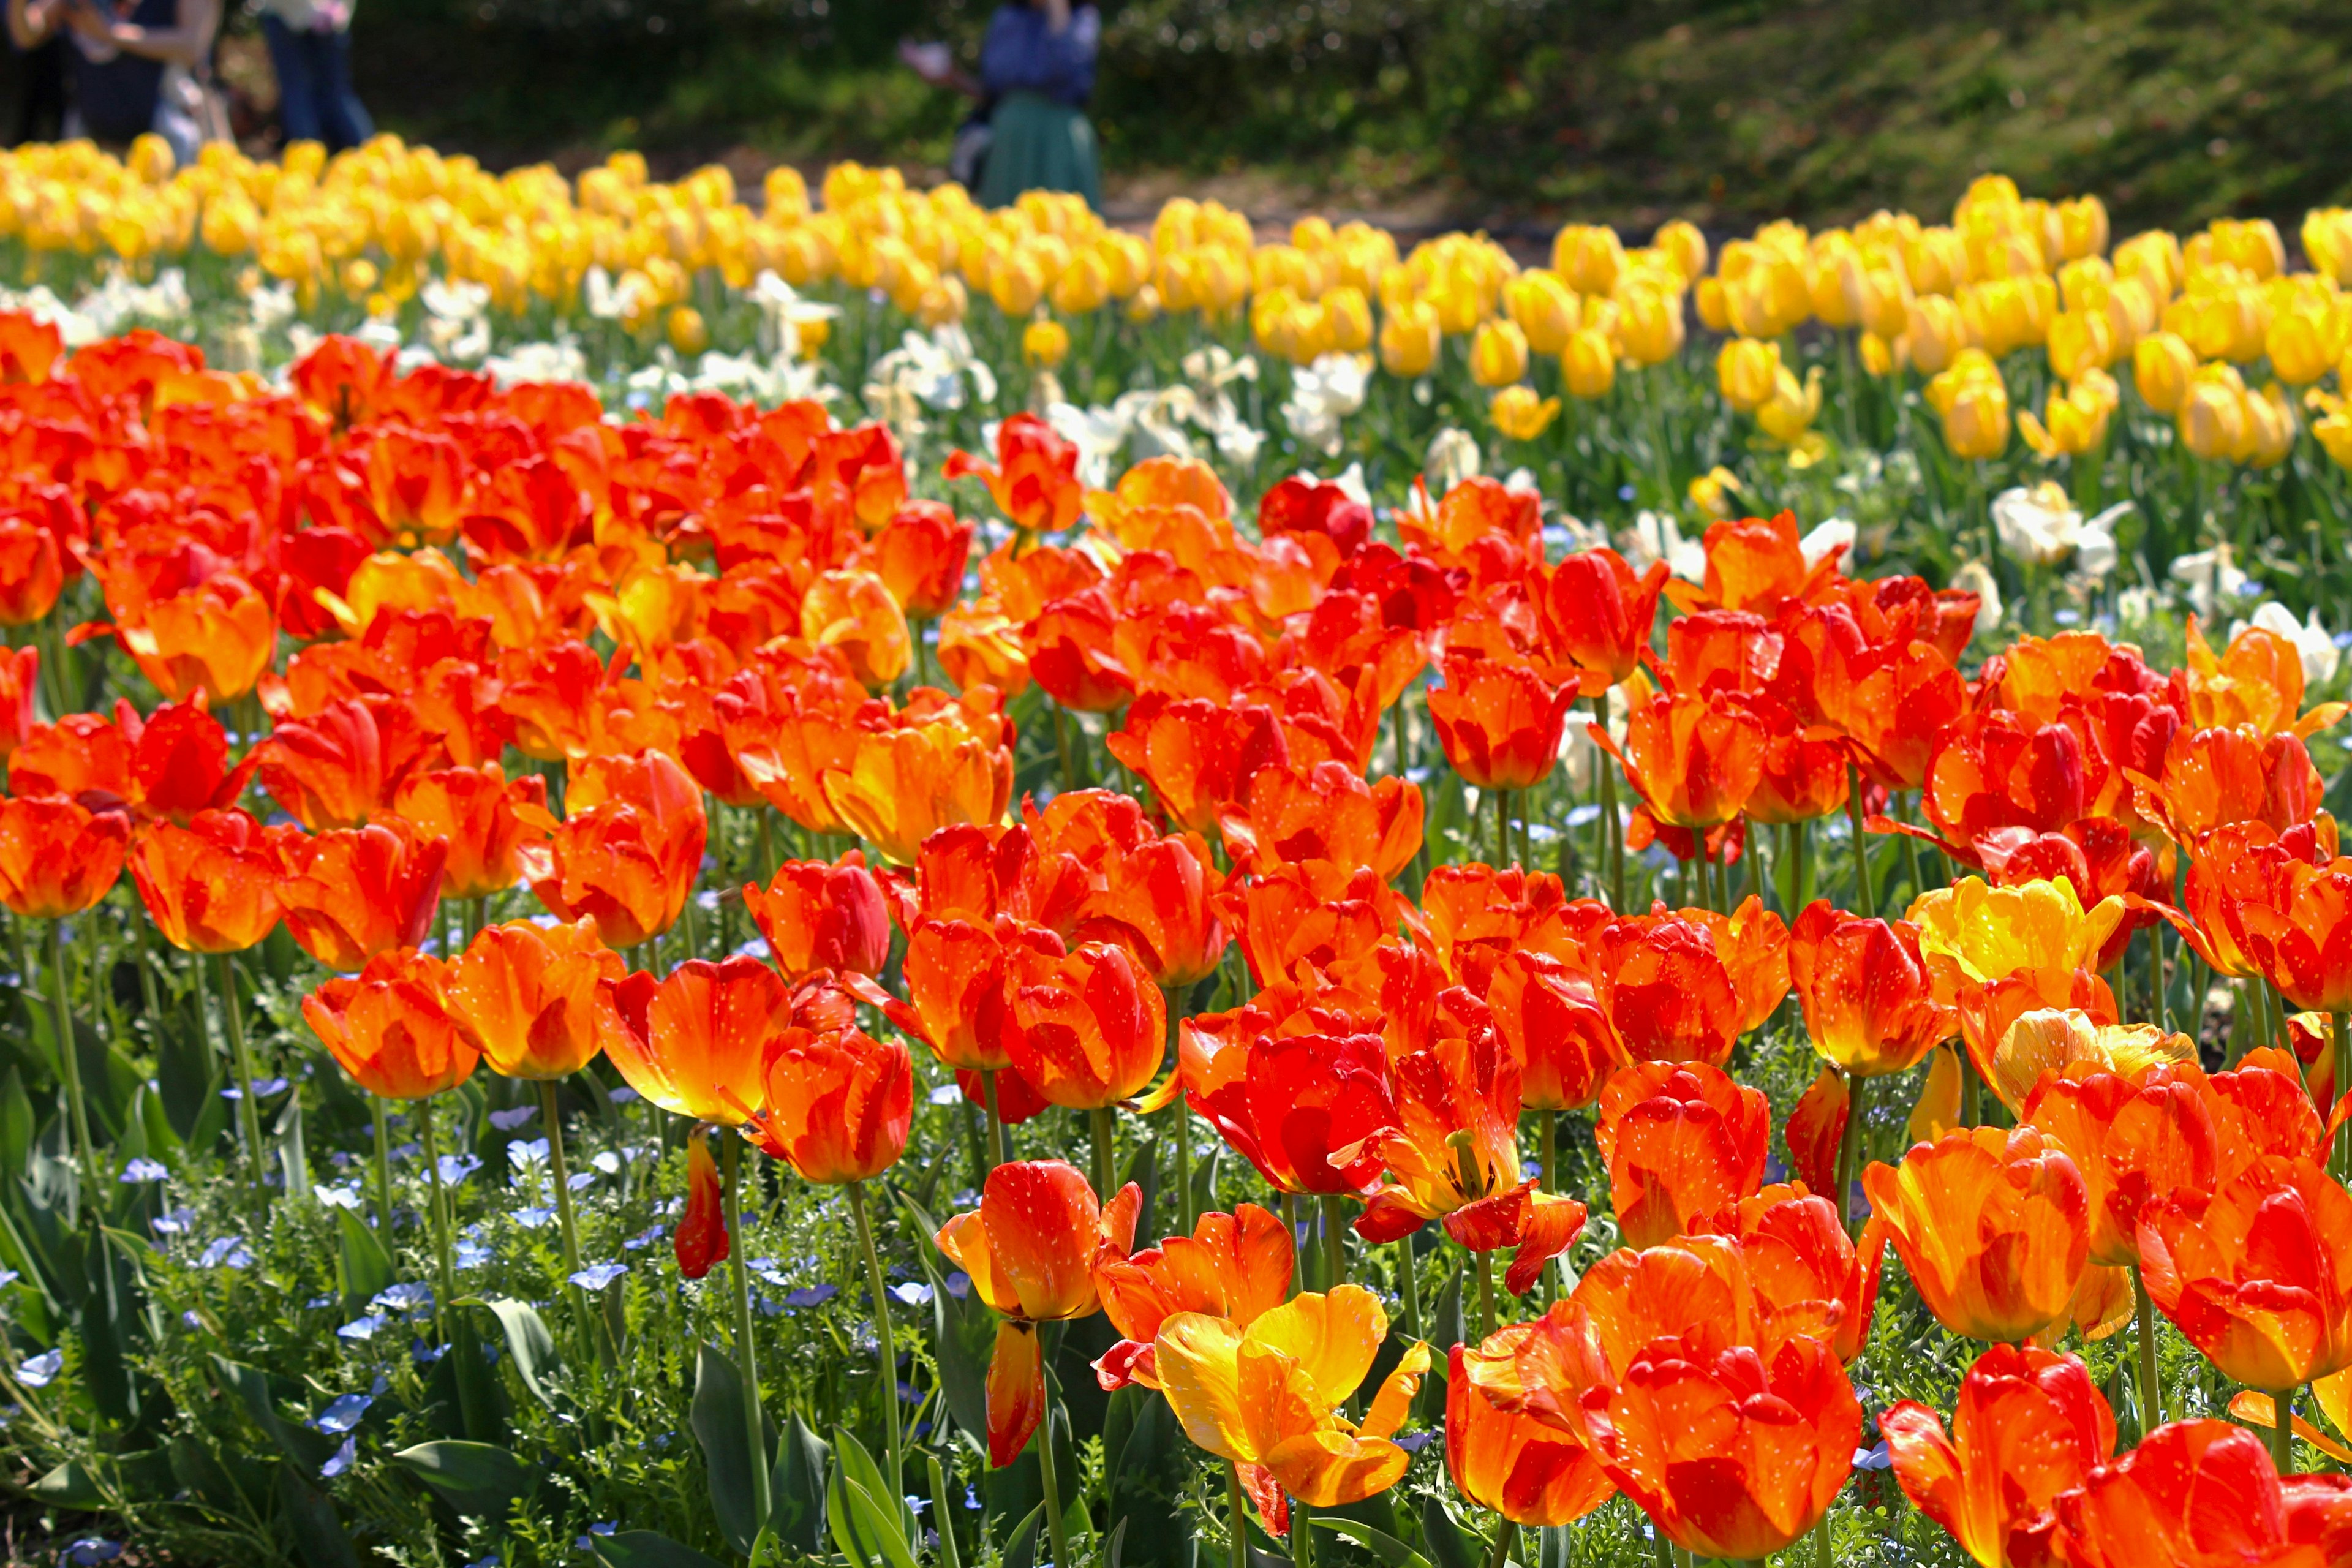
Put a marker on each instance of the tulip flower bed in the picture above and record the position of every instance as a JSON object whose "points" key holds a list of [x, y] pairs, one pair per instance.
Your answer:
{"points": [[680, 987]]}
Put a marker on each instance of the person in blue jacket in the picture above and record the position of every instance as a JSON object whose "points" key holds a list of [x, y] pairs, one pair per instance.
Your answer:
{"points": [[1030, 130]]}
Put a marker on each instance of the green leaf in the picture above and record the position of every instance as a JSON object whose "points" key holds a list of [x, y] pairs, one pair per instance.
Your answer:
{"points": [[367, 1268], [877, 1526], [1392, 1553], [531, 1347], [851, 1458], [796, 1490], [16, 1123], [1114, 1544], [293, 1154], [1444, 1331], [1449, 1546], [646, 1549], [480, 1480], [717, 1419], [72, 1485], [1021, 1549], [319, 1536], [1553, 1550], [963, 1337]]}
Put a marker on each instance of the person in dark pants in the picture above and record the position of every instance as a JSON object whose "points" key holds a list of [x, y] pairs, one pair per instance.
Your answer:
{"points": [[120, 53], [40, 99], [1037, 72], [310, 49]]}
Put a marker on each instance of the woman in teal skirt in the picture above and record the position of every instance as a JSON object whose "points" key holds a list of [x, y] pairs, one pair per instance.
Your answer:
{"points": [[1030, 131]]}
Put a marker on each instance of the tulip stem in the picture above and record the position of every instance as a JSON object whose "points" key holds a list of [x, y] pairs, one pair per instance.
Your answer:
{"points": [[472, 1411], [1106, 1151], [1850, 1146], [1505, 1536], [1823, 1557], [1335, 1243], [1865, 897], [248, 1110], [2151, 1392], [1238, 1526], [755, 1428], [1911, 864], [1502, 828], [1184, 1216], [949, 1556], [70, 1067], [885, 1349], [1409, 1287], [382, 1165], [1485, 1294], [2282, 1431], [1058, 1529], [591, 1323], [1290, 1219], [1609, 822], [995, 1120], [1302, 1535]]}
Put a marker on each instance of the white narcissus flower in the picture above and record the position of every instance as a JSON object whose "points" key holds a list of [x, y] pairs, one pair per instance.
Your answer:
{"points": [[1976, 578], [1831, 533], [2042, 527], [1655, 536], [2313, 642], [2209, 576], [1452, 457], [1322, 397]]}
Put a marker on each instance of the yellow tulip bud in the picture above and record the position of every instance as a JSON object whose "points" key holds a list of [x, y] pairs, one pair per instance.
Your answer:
{"points": [[2212, 418], [2156, 257], [1714, 492], [2298, 347], [1590, 365], [1543, 308], [1083, 285], [688, 334], [1938, 331], [1713, 301], [2080, 341], [1649, 324], [2270, 427], [2077, 417], [1347, 321], [2162, 364], [2334, 430], [1016, 283], [1884, 357], [2327, 241], [1498, 354], [1788, 413], [943, 304], [1046, 342], [1682, 241], [360, 276], [1520, 415], [1745, 369], [1974, 404], [1589, 256], [1409, 339]]}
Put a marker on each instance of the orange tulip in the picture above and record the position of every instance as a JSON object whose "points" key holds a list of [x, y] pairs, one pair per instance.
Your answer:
{"points": [[693, 1043], [1071, 654], [940, 761], [352, 892], [2258, 1274], [1266, 1394], [1197, 756], [2231, 873], [837, 1104], [853, 613], [2256, 680], [958, 988], [2297, 929], [1035, 478], [1731, 1454], [1548, 1015], [390, 1029], [1292, 1105], [1804, 776], [1528, 1472], [1234, 1266], [1327, 817], [1805, 1275], [818, 915], [2000, 952], [1681, 1143], [1477, 915], [32, 570], [1755, 564], [1453, 1140], [1161, 900], [785, 742], [216, 639], [1993, 1227], [920, 555], [628, 851], [527, 995], [1869, 1003], [701, 1238], [481, 815], [2213, 778], [210, 887], [57, 857], [173, 763], [2134, 1137], [1029, 1249], [332, 769], [1499, 721], [1685, 986], [1091, 1024], [1597, 615], [1995, 770], [2030, 1427], [1694, 760], [2194, 1494], [20, 679]]}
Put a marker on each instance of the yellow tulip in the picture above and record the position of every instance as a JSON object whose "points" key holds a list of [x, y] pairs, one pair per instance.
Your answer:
{"points": [[1712, 492], [1878, 294], [2082, 227], [1498, 354], [1589, 256], [688, 334], [1520, 415], [1590, 366], [2299, 345], [1682, 242], [1712, 299], [1046, 342], [2327, 240], [1409, 339], [1083, 285], [1974, 404], [1347, 321], [2077, 416], [2270, 427], [1744, 371], [1544, 308], [2080, 340], [1884, 357], [2155, 256], [2213, 414], [1649, 324], [1937, 331], [1790, 412], [2334, 428], [2162, 364]]}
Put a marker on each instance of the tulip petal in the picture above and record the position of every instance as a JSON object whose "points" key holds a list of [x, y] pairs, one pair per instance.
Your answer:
{"points": [[1016, 1391], [1195, 1356], [1330, 1469], [1393, 1403], [1333, 1337]]}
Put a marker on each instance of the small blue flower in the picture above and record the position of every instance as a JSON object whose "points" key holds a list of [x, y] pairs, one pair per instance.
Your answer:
{"points": [[959, 1284], [526, 1153], [343, 1197], [579, 1179], [1874, 1458], [362, 1327], [534, 1217], [410, 1296], [645, 1238], [597, 1276], [36, 1372], [508, 1121], [172, 1222], [584, 1542], [947, 1094], [812, 1295], [225, 1252], [8, 1277], [191, 1320], [89, 1552], [270, 1086], [623, 1095], [343, 1413], [142, 1169], [1414, 1442], [425, 1354], [315, 1303], [472, 1254], [912, 1293], [339, 1460], [456, 1168]]}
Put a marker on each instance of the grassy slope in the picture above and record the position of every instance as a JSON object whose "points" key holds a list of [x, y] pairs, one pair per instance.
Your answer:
{"points": [[1498, 110]]}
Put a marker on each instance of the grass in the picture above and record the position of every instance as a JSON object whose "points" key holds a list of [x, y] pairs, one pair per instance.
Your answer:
{"points": [[1509, 111]]}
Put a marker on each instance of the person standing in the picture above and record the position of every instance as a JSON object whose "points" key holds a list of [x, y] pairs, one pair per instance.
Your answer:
{"points": [[1030, 131], [310, 49], [138, 66]]}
